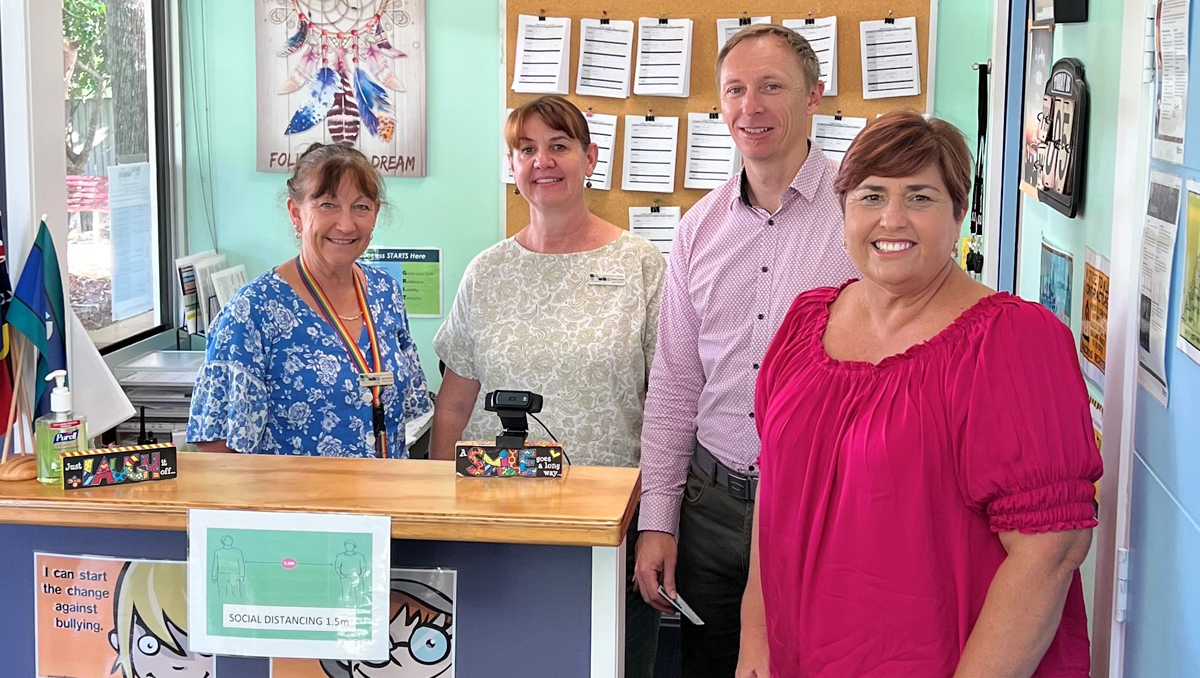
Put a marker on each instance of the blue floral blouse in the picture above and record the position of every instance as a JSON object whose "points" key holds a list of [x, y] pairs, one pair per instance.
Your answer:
{"points": [[278, 380]]}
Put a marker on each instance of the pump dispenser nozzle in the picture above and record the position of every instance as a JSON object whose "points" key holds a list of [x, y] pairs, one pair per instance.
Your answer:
{"points": [[60, 397]]}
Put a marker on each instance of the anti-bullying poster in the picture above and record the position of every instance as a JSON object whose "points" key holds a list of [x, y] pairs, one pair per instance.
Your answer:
{"points": [[105, 617], [421, 613]]}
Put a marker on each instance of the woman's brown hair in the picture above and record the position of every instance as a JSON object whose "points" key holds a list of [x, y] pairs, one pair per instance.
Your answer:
{"points": [[321, 169], [558, 114], [902, 143]]}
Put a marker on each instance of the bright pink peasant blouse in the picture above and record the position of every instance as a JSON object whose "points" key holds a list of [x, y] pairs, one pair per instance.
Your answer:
{"points": [[883, 487]]}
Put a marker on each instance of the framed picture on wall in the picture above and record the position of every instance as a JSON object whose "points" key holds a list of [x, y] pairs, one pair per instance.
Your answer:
{"points": [[341, 73], [1055, 281], [1039, 51]]}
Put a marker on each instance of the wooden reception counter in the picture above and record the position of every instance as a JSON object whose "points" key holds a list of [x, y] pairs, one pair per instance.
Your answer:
{"points": [[535, 558], [589, 506]]}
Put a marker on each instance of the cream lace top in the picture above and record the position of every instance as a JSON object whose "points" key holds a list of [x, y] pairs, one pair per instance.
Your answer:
{"points": [[578, 328]]}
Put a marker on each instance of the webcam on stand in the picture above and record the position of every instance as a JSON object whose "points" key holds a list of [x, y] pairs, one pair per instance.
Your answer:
{"points": [[511, 454], [512, 408]]}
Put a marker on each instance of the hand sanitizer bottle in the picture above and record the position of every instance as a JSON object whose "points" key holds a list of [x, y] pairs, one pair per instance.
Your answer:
{"points": [[58, 432]]}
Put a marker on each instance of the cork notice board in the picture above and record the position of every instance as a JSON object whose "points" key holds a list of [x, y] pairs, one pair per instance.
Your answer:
{"points": [[613, 205]]}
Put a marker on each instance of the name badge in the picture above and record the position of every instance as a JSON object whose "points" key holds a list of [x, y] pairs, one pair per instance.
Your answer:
{"points": [[370, 379], [610, 279]]}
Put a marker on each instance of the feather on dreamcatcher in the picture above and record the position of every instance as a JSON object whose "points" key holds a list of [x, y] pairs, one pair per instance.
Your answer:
{"points": [[314, 109], [302, 74], [343, 120], [351, 93], [384, 45], [382, 70], [295, 42]]}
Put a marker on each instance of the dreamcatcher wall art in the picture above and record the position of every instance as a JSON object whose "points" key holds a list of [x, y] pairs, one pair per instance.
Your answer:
{"points": [[342, 71]]}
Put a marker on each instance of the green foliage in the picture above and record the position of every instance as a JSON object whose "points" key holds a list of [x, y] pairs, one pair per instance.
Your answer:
{"points": [[84, 27]]}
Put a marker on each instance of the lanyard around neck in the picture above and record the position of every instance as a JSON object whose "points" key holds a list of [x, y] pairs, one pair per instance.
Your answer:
{"points": [[356, 355]]}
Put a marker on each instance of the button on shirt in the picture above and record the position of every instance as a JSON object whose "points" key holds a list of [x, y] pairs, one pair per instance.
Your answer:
{"points": [[734, 271]]}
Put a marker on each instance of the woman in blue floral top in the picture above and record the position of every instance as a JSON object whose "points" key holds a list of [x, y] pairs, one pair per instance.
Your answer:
{"points": [[293, 362]]}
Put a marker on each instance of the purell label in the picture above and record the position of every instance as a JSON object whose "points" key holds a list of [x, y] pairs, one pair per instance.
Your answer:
{"points": [[65, 431]]}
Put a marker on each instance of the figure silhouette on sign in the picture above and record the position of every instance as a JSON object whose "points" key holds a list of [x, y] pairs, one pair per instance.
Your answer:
{"points": [[228, 569], [351, 568]]}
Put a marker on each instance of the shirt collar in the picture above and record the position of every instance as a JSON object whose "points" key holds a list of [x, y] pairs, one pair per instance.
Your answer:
{"points": [[806, 181]]}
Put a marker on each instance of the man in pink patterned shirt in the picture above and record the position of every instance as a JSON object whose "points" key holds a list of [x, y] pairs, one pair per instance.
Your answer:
{"points": [[740, 257]]}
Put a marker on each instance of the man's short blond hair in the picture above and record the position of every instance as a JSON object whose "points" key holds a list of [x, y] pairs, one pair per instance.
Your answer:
{"points": [[809, 65]]}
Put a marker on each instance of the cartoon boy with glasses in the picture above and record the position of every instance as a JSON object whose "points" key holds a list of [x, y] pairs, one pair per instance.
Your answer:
{"points": [[422, 637]]}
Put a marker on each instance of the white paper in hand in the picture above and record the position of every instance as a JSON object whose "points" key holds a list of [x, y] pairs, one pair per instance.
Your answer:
{"points": [[684, 609]]}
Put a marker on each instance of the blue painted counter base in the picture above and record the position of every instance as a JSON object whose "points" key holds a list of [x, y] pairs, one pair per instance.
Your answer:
{"points": [[523, 610]]}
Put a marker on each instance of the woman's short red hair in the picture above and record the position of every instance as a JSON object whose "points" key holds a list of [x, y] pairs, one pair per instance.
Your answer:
{"points": [[902, 143]]}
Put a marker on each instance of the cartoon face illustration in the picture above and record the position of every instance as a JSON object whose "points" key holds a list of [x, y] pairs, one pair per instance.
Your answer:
{"points": [[421, 631], [150, 618]]}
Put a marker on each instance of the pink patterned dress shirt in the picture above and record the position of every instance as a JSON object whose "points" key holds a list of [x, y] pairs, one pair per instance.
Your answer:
{"points": [[733, 273]]}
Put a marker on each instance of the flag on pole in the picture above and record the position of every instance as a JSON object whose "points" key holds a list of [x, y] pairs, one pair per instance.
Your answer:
{"points": [[36, 311], [6, 379], [5, 292]]}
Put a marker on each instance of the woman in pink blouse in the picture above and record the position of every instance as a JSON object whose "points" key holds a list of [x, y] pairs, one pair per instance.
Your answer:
{"points": [[928, 459]]}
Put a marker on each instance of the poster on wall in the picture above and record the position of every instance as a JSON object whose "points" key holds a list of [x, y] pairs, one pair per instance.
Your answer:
{"points": [[1189, 306], [1055, 283], [1039, 60], [1154, 283], [289, 584], [1093, 326], [1171, 58], [419, 272], [421, 614], [342, 71], [118, 618]]}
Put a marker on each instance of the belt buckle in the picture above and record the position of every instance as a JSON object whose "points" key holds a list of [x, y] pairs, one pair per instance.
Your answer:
{"points": [[739, 486]]}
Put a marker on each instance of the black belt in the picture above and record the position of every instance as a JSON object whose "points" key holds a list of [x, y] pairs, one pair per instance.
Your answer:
{"points": [[742, 486]]}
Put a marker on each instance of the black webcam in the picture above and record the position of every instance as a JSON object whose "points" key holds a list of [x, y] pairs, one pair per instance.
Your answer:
{"points": [[512, 406], [524, 401]]}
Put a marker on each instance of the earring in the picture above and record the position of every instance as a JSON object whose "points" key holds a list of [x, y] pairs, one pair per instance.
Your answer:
{"points": [[516, 191], [589, 183]]}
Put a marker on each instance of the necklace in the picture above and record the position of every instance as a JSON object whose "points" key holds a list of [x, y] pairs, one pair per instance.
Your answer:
{"points": [[353, 317]]}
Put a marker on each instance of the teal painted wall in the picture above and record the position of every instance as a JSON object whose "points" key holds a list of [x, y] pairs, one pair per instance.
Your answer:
{"points": [[964, 38], [1092, 44], [456, 207]]}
